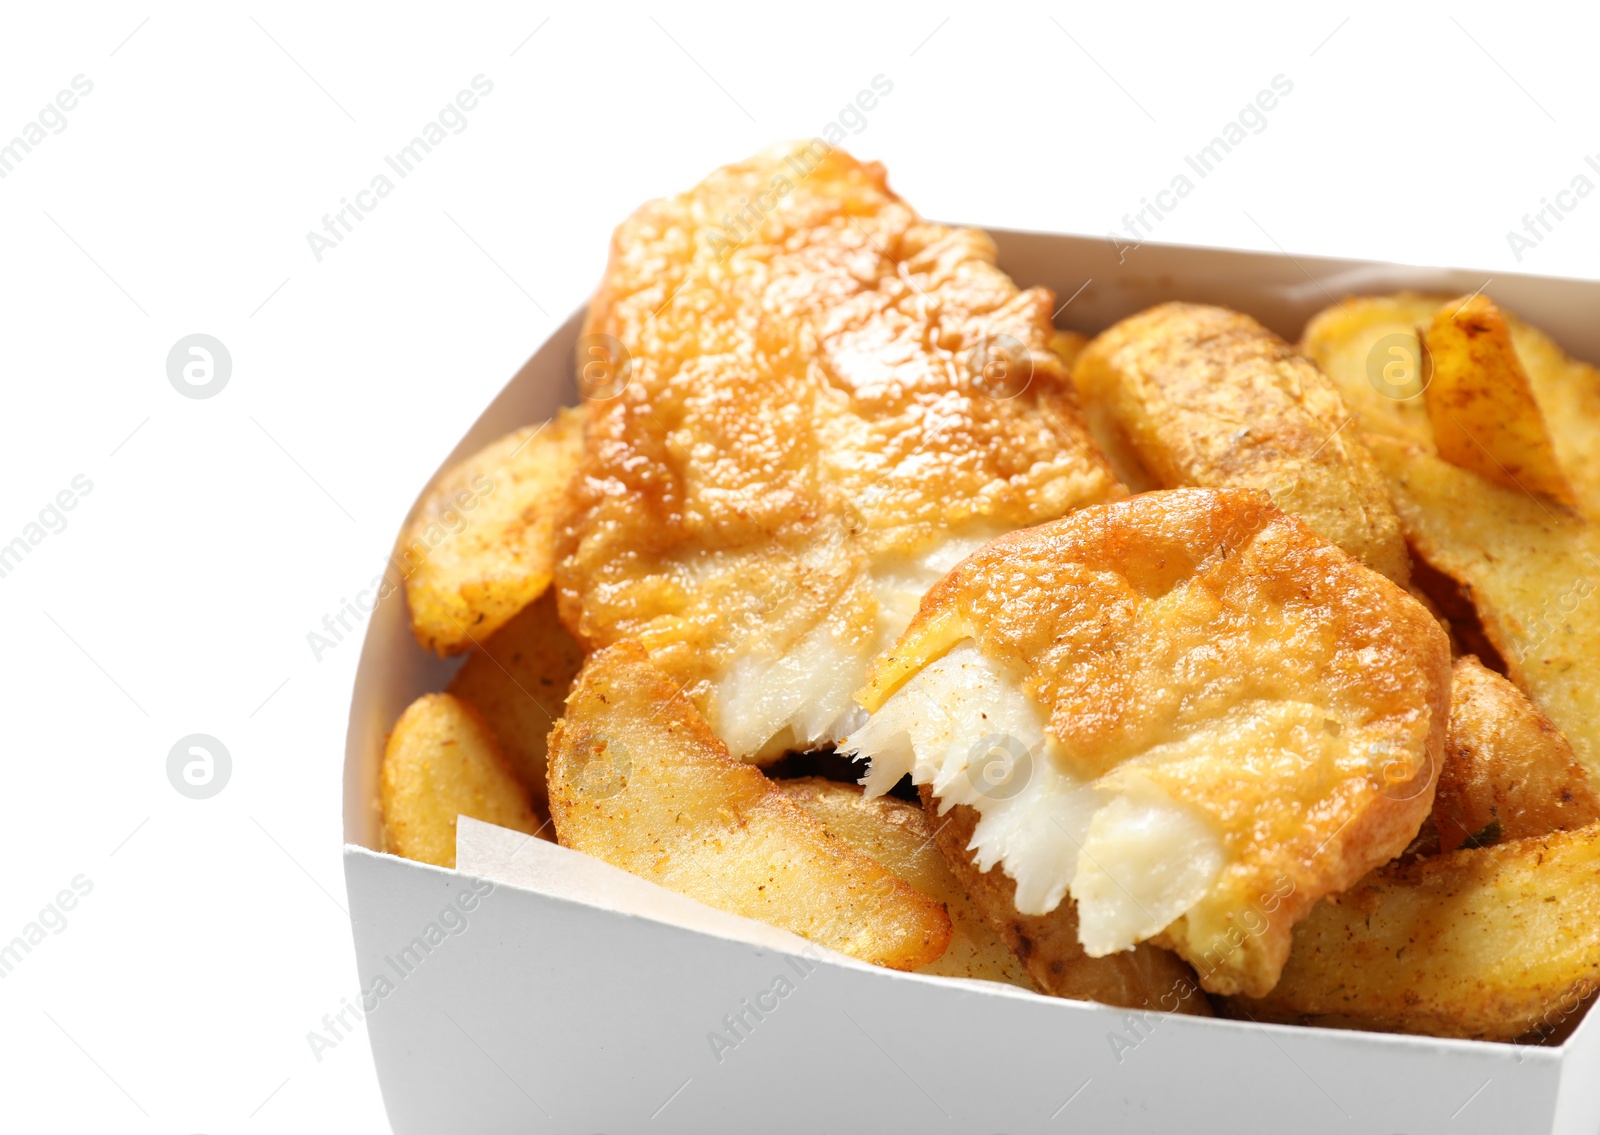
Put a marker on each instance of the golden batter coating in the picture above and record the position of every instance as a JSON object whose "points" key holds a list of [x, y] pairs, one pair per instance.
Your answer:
{"points": [[825, 401], [1218, 688], [1203, 396]]}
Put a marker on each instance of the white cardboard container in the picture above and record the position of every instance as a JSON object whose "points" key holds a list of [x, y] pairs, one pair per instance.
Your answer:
{"points": [[537, 989]]}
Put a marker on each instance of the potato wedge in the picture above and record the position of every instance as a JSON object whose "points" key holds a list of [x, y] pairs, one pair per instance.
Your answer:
{"points": [[1531, 571], [639, 780], [518, 680], [897, 835], [1206, 397], [481, 545], [1145, 977], [1493, 943], [1371, 347], [442, 762], [1508, 773], [1568, 392], [1480, 402]]}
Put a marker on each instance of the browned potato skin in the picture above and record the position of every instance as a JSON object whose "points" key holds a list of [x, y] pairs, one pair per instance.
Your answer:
{"points": [[1341, 340], [1342, 337], [639, 780], [898, 836], [481, 544], [1480, 401], [442, 762], [518, 680], [1491, 943], [1508, 773], [1145, 977], [1206, 397], [1531, 570]]}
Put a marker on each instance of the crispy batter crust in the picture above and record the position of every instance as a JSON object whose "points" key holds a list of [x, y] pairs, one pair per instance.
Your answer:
{"points": [[1306, 695], [818, 380], [1207, 397]]}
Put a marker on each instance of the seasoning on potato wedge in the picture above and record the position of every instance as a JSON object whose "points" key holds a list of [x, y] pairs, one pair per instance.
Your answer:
{"points": [[481, 546], [639, 780], [518, 680], [1531, 570], [899, 836], [1370, 346], [1206, 397], [442, 762], [1480, 402], [1493, 943], [1508, 772]]}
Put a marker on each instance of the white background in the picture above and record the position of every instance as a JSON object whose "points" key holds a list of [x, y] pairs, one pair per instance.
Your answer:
{"points": [[219, 532]]}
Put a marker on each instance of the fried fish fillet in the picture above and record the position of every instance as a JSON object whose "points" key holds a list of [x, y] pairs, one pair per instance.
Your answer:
{"points": [[820, 403], [1145, 977], [1185, 709], [1207, 397]]}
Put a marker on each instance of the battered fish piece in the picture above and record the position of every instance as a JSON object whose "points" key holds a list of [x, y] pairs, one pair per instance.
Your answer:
{"points": [[821, 403], [1145, 977], [1206, 397], [1185, 709]]}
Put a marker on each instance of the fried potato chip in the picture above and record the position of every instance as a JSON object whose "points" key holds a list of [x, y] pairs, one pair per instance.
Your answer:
{"points": [[1508, 773], [518, 680], [1370, 346], [1480, 401], [1145, 977], [899, 837], [1494, 943], [1186, 710], [1206, 397], [1568, 392], [1530, 569], [442, 762], [638, 779], [481, 545]]}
